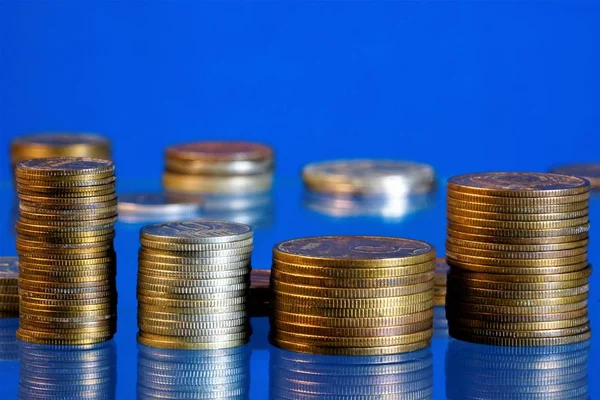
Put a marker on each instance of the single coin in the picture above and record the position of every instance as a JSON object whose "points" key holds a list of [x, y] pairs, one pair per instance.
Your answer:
{"points": [[200, 249], [178, 343], [64, 336], [158, 204], [467, 291], [516, 270], [519, 233], [9, 271], [521, 217], [67, 327], [204, 297], [97, 303], [352, 323], [395, 311], [67, 237], [73, 225], [518, 201], [199, 275], [282, 326], [521, 334], [348, 303], [68, 314], [60, 192], [67, 166], [191, 331], [320, 282], [520, 326], [469, 204], [516, 319], [196, 232], [46, 145], [66, 288], [516, 286], [355, 251], [41, 184], [260, 278], [67, 296], [566, 277], [530, 225], [343, 272], [193, 284], [219, 168], [201, 306], [62, 243], [65, 253], [207, 184], [369, 177], [590, 172], [517, 248], [41, 275], [513, 310], [314, 340], [348, 351], [452, 256], [350, 293], [67, 215], [235, 317], [455, 296], [52, 264]]}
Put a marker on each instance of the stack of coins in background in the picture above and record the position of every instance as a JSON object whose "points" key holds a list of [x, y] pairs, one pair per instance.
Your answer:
{"points": [[440, 324], [49, 145], [193, 283], [308, 376], [49, 372], [219, 168], [475, 371], [185, 374], [67, 263], [517, 248], [158, 207], [591, 172], [352, 295], [9, 349], [260, 293], [9, 287]]}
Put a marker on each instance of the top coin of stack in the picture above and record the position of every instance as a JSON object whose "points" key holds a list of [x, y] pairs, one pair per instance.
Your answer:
{"points": [[352, 295], [591, 172], [68, 208], [219, 167], [517, 248], [47, 145], [9, 288]]}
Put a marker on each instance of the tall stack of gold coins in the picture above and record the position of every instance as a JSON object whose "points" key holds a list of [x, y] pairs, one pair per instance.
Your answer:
{"points": [[9, 287], [219, 168], [67, 263], [517, 246], [67, 371], [309, 376], [193, 283], [475, 371], [352, 295], [188, 374]]}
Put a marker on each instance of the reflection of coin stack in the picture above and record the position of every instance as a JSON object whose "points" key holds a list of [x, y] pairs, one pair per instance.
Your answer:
{"points": [[440, 324], [307, 376], [352, 295], [517, 247], [475, 371], [219, 167], [190, 374], [9, 287], [193, 283], [65, 237], [260, 293], [9, 349], [67, 372]]}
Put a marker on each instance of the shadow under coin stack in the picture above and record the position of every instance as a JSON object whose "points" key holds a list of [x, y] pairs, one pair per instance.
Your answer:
{"points": [[352, 295], [49, 372], [309, 376], [440, 324], [67, 263], [188, 374], [517, 248], [9, 287], [193, 283], [219, 168]]}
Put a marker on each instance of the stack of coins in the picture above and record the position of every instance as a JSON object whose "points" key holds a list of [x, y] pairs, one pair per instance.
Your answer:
{"points": [[49, 372], [193, 283], [440, 324], [158, 207], [219, 167], [260, 293], [187, 374], [48, 145], [9, 349], [308, 376], [352, 295], [591, 172], [475, 371], [9, 287], [67, 264], [517, 248]]}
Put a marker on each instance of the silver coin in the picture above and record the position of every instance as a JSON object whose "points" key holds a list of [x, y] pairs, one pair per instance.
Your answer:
{"points": [[197, 231], [137, 207]]}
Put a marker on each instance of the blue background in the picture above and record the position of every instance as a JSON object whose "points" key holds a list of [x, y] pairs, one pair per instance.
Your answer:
{"points": [[465, 86]]}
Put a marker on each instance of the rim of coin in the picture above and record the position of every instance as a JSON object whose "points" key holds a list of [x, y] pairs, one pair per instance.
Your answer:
{"points": [[517, 225], [354, 251], [158, 203], [363, 176], [517, 201], [222, 168], [60, 142], [65, 166], [346, 283], [470, 205], [218, 184], [343, 272], [351, 293], [223, 248], [215, 151], [499, 216], [533, 248], [570, 276], [589, 171], [196, 232]]}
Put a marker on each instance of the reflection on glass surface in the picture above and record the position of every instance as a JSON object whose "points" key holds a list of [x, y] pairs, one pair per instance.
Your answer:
{"points": [[475, 371], [193, 374], [440, 323], [392, 208], [8, 339], [307, 376], [256, 210], [67, 372]]}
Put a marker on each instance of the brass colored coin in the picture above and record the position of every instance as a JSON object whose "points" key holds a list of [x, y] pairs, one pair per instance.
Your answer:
{"points": [[439, 301], [517, 270], [513, 310], [144, 286], [12, 289], [159, 268], [516, 319], [71, 224], [468, 298], [47, 208], [516, 286], [342, 303], [62, 287], [66, 296], [521, 326], [566, 277], [197, 333], [65, 166], [83, 340], [194, 275], [522, 334], [352, 323], [199, 247], [378, 332], [63, 184], [530, 225], [503, 216], [350, 293], [166, 317], [521, 342], [314, 340], [235, 283], [518, 201], [66, 192], [215, 152], [354, 251], [196, 232], [451, 256], [67, 201], [9, 271], [74, 237], [348, 351], [320, 282], [75, 216], [208, 306], [395, 311], [206, 184], [9, 298], [517, 208], [500, 247], [177, 343], [98, 303], [47, 145], [74, 314], [70, 244], [519, 233], [520, 240], [225, 168], [94, 252], [351, 273], [64, 336], [67, 327], [31, 276]]}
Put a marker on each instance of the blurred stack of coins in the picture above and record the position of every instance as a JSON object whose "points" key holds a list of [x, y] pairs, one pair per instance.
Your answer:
{"points": [[352, 295], [158, 207], [219, 168], [309, 376], [49, 145], [440, 324], [260, 293], [591, 172], [9, 287], [517, 247], [193, 283], [67, 372], [475, 371], [188, 374], [9, 349], [67, 263]]}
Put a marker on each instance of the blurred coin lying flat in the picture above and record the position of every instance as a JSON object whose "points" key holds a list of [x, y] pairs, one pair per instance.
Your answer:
{"points": [[157, 204], [591, 172]]}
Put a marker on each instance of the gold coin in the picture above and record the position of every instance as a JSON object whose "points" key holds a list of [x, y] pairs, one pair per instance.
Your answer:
{"points": [[518, 225], [48, 145], [226, 284], [515, 240], [314, 340], [159, 267], [344, 303], [67, 201], [296, 279], [64, 336], [67, 327], [454, 257], [107, 269], [37, 276], [195, 332], [517, 248], [51, 208], [5, 289], [74, 225], [82, 340], [354, 251], [66, 296], [351, 323], [66, 192], [517, 270], [516, 286], [177, 343], [439, 301], [282, 326], [514, 216], [351, 293], [348, 351], [62, 238], [68, 314], [236, 247], [45, 217], [566, 277], [513, 310], [518, 208], [522, 342], [9, 298], [201, 306], [453, 298], [50, 318], [40, 185], [514, 319], [467, 291], [64, 166], [521, 334], [517, 201], [395, 311], [520, 326], [61, 287], [75, 252], [518, 233], [218, 184], [351, 273], [85, 304]]}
